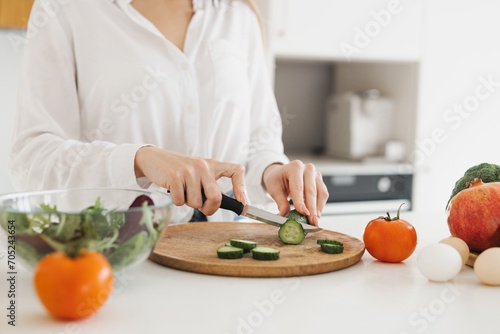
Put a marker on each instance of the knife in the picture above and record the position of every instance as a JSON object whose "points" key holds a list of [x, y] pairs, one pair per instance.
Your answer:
{"points": [[252, 212]]}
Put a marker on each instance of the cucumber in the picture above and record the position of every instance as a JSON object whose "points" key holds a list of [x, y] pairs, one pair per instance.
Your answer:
{"points": [[265, 253], [243, 244], [294, 214], [332, 248], [292, 232], [244, 250], [329, 241], [229, 252]]}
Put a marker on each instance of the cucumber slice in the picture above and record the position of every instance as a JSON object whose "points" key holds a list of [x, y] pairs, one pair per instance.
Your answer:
{"points": [[332, 248], [292, 232], [265, 253], [294, 214], [243, 244], [229, 252], [244, 250], [329, 241]]}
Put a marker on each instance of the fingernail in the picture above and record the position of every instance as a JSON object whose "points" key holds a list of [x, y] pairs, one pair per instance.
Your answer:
{"points": [[314, 220], [242, 198], [308, 213], [317, 220]]}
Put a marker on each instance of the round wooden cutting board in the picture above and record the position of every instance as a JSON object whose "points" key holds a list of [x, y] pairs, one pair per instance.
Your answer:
{"points": [[472, 259], [193, 247]]}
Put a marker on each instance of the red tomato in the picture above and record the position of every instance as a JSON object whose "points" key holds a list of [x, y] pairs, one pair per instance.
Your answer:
{"points": [[390, 239], [73, 288]]}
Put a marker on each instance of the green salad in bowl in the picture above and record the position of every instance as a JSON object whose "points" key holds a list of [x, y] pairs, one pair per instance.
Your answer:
{"points": [[122, 224]]}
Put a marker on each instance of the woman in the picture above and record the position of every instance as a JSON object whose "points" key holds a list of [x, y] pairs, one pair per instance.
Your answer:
{"points": [[167, 93]]}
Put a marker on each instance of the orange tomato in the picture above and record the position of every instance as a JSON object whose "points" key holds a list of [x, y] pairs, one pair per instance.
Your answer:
{"points": [[73, 288], [390, 239]]}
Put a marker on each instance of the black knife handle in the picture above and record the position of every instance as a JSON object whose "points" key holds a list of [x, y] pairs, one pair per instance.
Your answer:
{"points": [[227, 203]]}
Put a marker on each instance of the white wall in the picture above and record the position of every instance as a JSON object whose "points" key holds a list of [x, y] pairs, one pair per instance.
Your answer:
{"points": [[461, 45], [10, 67]]}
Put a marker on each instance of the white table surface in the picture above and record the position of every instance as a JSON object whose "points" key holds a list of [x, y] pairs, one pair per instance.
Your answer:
{"points": [[369, 297]]}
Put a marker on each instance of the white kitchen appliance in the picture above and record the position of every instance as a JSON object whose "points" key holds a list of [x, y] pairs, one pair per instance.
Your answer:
{"points": [[358, 124]]}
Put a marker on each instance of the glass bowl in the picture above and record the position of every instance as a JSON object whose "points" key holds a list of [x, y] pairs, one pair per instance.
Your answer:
{"points": [[122, 224]]}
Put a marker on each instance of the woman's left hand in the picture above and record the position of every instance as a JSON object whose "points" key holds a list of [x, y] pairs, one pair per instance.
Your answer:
{"points": [[300, 182]]}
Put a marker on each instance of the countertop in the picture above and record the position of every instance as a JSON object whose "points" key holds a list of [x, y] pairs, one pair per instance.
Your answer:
{"points": [[369, 297]]}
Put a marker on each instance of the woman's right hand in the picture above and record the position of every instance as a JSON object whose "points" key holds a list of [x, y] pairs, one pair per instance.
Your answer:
{"points": [[184, 176]]}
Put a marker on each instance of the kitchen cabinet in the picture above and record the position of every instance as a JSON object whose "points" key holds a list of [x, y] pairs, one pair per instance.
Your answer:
{"points": [[14, 13], [343, 30], [318, 49], [432, 58], [303, 88]]}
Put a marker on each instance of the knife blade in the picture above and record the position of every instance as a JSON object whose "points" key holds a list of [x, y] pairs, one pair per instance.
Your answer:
{"points": [[229, 203]]}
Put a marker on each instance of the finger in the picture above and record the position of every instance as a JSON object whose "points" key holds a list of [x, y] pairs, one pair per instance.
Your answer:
{"points": [[310, 193], [193, 190], [323, 194], [177, 192], [236, 173], [296, 186], [238, 182], [281, 199], [277, 189], [213, 196]]}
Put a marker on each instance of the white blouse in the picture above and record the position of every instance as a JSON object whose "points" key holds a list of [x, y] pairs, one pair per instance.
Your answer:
{"points": [[99, 81]]}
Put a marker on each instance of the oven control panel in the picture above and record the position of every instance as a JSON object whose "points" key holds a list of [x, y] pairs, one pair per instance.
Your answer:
{"points": [[362, 187], [368, 193]]}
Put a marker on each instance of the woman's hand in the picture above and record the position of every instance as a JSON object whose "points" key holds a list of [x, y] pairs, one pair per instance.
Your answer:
{"points": [[302, 183], [185, 176]]}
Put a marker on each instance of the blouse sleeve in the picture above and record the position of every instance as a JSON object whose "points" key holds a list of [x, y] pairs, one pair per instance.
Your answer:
{"points": [[47, 149], [266, 145]]}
